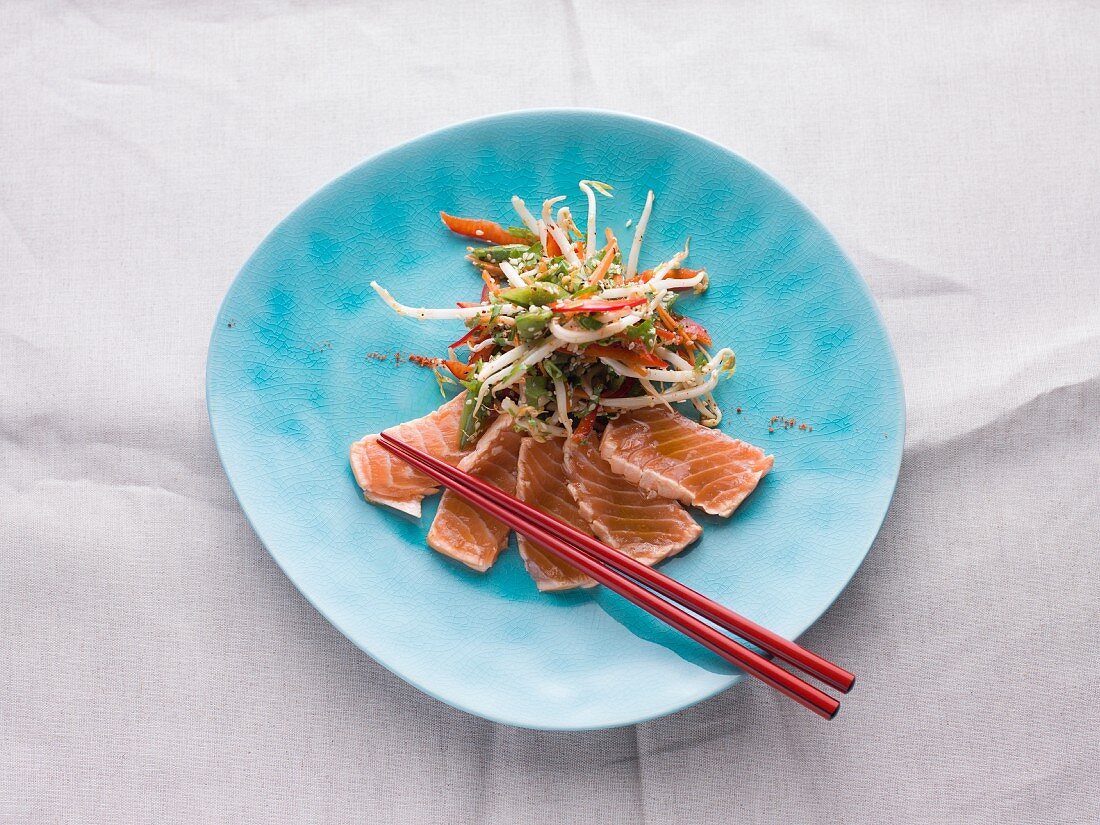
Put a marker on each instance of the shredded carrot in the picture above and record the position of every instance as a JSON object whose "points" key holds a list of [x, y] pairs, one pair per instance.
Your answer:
{"points": [[480, 355], [605, 263], [672, 273], [669, 321], [458, 369], [490, 267], [490, 284], [552, 248], [585, 427], [672, 323], [689, 346], [630, 357], [480, 229]]}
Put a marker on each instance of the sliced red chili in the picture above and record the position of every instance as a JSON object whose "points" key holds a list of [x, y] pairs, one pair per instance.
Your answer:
{"points": [[623, 389], [474, 336], [696, 331], [567, 307]]}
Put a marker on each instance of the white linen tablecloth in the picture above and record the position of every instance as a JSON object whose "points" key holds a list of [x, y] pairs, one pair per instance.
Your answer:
{"points": [[156, 666]]}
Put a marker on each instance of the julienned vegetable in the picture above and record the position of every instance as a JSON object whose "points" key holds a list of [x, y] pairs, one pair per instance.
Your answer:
{"points": [[481, 230], [566, 333], [592, 305]]}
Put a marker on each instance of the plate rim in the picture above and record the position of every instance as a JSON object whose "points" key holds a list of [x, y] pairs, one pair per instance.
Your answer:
{"points": [[863, 286]]}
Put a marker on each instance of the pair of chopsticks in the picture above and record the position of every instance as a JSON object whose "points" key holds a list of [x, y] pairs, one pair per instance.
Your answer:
{"points": [[645, 586]]}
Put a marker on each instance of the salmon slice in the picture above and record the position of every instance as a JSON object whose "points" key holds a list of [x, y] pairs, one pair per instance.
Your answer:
{"points": [[541, 483], [672, 456], [644, 526], [461, 530], [388, 480]]}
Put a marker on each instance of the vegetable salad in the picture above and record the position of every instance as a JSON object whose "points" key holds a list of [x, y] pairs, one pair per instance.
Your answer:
{"points": [[567, 332]]}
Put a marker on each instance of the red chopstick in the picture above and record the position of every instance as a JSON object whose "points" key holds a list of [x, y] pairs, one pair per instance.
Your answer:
{"points": [[556, 536], [790, 652]]}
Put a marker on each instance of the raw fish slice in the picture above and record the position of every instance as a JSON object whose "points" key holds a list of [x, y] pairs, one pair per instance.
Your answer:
{"points": [[461, 530], [647, 527], [672, 456], [541, 483], [388, 480]]}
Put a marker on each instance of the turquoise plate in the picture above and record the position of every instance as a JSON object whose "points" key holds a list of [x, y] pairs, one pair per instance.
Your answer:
{"points": [[290, 386]]}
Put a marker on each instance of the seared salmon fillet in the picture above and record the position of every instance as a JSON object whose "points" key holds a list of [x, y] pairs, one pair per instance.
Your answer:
{"points": [[461, 530], [644, 526], [388, 480], [668, 454], [540, 482]]}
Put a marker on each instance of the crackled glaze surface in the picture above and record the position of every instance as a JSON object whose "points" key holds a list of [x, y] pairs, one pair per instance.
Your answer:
{"points": [[290, 387]]}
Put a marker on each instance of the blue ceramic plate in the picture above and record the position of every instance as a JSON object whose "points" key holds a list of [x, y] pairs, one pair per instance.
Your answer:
{"points": [[290, 386]]}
